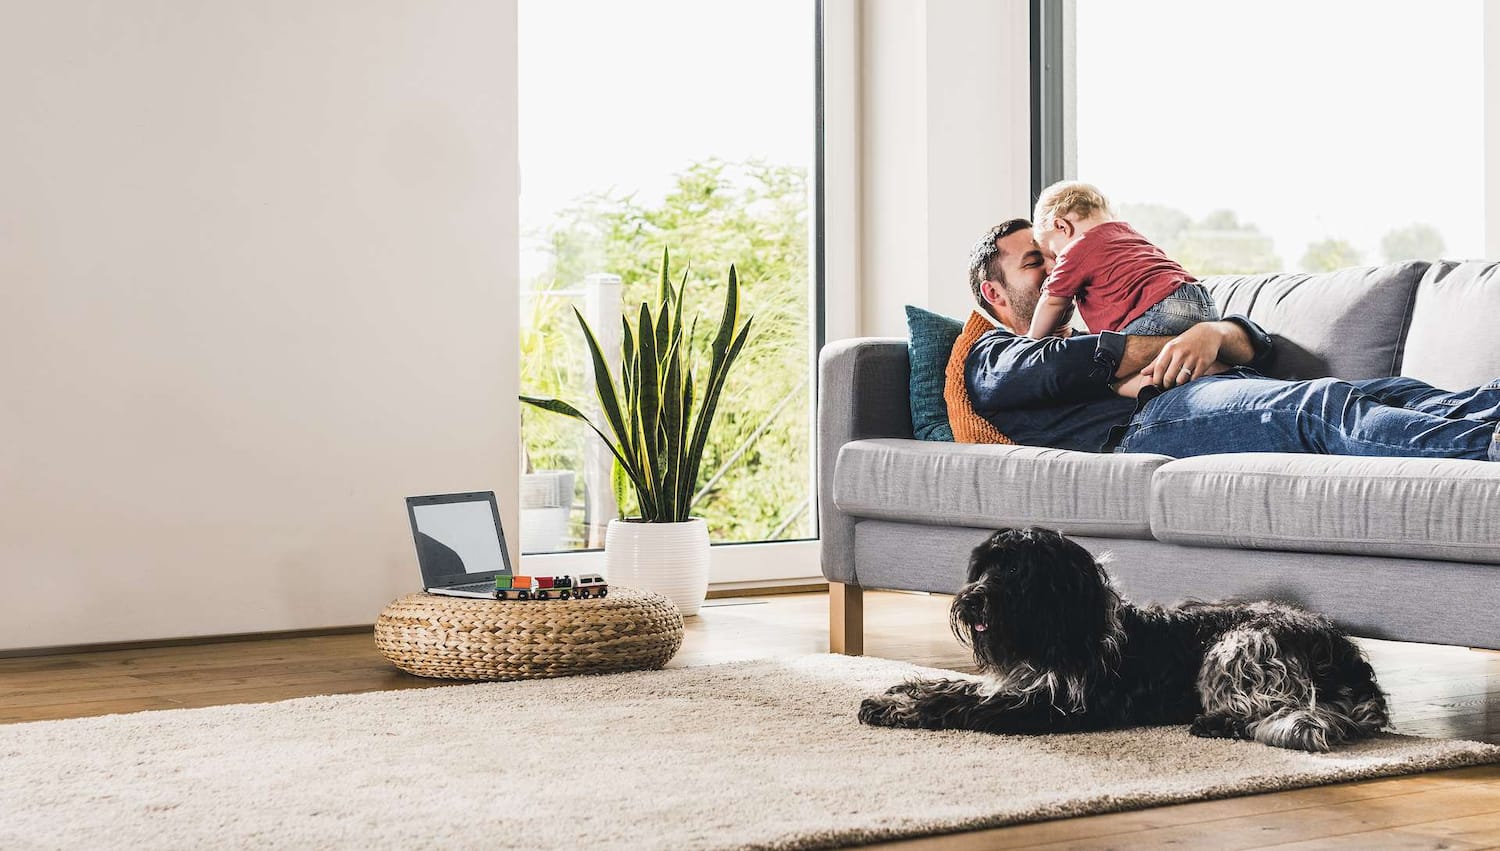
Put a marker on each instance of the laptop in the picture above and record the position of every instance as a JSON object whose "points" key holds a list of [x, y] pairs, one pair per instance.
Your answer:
{"points": [[460, 545]]}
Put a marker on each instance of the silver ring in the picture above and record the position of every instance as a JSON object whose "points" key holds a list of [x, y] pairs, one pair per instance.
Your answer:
{"points": [[1186, 371]]}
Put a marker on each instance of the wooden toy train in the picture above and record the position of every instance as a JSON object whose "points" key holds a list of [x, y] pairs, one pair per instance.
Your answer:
{"points": [[545, 587]]}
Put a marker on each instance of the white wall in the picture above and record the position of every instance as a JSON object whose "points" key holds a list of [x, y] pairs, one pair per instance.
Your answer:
{"points": [[944, 116], [979, 135], [893, 162], [1491, 130], [257, 285]]}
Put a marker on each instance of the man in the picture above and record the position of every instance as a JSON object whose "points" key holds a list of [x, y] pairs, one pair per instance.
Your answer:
{"points": [[1193, 394]]}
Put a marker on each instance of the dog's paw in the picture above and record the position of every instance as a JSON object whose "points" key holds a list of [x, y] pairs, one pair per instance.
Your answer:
{"points": [[887, 712], [906, 689], [1217, 727], [1299, 729]]}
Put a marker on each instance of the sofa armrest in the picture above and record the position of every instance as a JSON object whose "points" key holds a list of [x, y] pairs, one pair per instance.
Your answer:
{"points": [[862, 393]]}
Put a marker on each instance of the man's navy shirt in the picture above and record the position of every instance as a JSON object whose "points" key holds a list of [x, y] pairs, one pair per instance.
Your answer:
{"points": [[1056, 392]]}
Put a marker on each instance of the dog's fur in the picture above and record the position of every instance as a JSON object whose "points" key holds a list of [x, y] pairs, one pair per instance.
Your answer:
{"points": [[1063, 652]]}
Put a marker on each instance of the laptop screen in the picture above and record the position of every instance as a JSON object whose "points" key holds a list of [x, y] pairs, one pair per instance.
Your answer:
{"points": [[457, 537]]}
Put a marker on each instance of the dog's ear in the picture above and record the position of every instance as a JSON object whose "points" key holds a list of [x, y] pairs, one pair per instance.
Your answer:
{"points": [[1056, 602]]}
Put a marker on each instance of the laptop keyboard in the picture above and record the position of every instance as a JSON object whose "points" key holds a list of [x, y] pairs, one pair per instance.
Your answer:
{"points": [[477, 586]]}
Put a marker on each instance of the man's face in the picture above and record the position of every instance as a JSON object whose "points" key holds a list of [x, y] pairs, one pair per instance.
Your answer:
{"points": [[1025, 267]]}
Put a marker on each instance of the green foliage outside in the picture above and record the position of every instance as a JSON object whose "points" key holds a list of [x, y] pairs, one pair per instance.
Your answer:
{"points": [[1217, 244], [1326, 255], [1157, 222], [1413, 242], [1220, 244], [752, 215]]}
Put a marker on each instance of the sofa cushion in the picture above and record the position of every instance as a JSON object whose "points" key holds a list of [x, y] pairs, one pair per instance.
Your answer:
{"points": [[1346, 324], [989, 487], [931, 336], [1414, 507], [968, 426], [1452, 341]]}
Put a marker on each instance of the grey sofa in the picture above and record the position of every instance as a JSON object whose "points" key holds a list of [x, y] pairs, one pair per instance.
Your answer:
{"points": [[1404, 549]]}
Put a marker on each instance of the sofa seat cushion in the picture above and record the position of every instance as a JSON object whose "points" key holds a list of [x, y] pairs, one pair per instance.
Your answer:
{"points": [[1410, 507], [989, 487]]}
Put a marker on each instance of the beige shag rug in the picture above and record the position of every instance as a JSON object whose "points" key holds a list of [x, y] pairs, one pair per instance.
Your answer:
{"points": [[762, 754]]}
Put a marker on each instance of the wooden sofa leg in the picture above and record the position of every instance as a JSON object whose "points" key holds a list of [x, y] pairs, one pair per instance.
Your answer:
{"points": [[846, 619]]}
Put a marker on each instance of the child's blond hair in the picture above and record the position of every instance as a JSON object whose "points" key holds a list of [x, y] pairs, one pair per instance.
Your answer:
{"points": [[1069, 197]]}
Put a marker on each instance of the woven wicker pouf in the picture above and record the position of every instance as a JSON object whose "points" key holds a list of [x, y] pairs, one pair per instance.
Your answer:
{"points": [[460, 638]]}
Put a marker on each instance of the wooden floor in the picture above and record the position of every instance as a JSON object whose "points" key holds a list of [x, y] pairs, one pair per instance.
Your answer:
{"points": [[1435, 691]]}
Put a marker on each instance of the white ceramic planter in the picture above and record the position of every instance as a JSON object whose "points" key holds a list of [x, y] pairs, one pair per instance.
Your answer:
{"points": [[668, 558]]}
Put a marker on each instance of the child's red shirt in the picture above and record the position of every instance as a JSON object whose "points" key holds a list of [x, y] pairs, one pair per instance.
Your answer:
{"points": [[1115, 274]]}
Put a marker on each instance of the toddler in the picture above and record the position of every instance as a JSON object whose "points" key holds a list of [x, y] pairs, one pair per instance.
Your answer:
{"points": [[1122, 282]]}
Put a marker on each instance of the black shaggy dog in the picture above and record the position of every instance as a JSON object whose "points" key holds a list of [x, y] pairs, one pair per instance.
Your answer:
{"points": [[1063, 652]]}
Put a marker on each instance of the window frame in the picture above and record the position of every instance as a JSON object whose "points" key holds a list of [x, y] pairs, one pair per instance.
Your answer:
{"points": [[1053, 148]]}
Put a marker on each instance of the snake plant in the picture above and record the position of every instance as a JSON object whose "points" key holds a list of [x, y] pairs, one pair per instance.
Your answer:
{"points": [[657, 419]]}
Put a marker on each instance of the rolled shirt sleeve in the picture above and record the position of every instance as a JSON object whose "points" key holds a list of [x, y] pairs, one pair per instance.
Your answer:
{"points": [[1260, 341]]}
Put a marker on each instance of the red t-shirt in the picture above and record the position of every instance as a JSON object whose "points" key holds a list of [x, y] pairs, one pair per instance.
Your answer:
{"points": [[1116, 275]]}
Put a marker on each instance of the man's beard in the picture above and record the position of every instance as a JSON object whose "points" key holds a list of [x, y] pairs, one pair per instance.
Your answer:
{"points": [[1023, 305]]}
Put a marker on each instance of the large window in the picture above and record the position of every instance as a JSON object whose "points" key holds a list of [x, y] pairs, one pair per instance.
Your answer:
{"points": [[1274, 136], [689, 126]]}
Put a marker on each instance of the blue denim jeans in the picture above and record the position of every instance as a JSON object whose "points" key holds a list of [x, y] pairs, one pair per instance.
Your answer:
{"points": [[1243, 411], [1174, 314]]}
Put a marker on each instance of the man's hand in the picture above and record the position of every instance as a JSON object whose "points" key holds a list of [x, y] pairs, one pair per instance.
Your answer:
{"points": [[1207, 348], [1131, 387], [1185, 357]]}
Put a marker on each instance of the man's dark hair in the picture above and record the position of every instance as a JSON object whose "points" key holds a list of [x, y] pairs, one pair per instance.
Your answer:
{"points": [[984, 261]]}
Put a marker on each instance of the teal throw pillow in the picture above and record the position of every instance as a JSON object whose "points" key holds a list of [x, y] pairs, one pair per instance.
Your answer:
{"points": [[932, 339]]}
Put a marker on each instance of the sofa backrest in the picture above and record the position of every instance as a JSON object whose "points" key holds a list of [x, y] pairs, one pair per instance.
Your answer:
{"points": [[1347, 323], [1454, 336]]}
